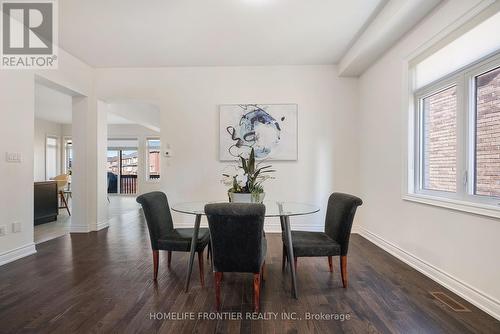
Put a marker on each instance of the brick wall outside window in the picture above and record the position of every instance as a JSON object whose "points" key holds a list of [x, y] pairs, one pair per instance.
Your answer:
{"points": [[440, 141], [488, 134]]}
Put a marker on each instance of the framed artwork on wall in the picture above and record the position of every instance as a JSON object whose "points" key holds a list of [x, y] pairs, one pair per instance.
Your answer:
{"points": [[271, 129]]}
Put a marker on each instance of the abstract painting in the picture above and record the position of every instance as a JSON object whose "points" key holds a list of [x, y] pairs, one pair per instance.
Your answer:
{"points": [[270, 129]]}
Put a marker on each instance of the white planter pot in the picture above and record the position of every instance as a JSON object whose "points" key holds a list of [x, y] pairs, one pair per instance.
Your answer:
{"points": [[246, 198]]}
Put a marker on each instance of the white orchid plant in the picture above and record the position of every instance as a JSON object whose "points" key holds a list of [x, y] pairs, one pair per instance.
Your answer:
{"points": [[248, 176]]}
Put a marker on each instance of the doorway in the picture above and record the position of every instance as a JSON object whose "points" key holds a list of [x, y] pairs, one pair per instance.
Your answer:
{"points": [[52, 162], [122, 166]]}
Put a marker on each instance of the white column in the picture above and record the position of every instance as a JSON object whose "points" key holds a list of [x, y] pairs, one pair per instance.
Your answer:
{"points": [[102, 178], [89, 166]]}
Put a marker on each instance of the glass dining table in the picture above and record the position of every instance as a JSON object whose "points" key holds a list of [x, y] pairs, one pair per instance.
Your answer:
{"points": [[283, 210]]}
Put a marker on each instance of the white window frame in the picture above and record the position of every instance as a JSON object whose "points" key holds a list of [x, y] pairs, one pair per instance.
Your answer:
{"points": [[65, 153], [58, 154], [464, 199], [470, 74], [419, 96], [148, 179]]}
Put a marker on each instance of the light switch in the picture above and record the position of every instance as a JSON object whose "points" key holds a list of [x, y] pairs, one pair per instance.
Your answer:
{"points": [[16, 227], [15, 157]]}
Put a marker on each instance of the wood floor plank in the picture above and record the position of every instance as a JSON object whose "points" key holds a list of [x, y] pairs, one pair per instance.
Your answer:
{"points": [[101, 282]]}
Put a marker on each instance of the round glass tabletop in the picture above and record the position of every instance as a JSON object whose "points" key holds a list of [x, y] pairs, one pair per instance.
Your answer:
{"points": [[273, 208]]}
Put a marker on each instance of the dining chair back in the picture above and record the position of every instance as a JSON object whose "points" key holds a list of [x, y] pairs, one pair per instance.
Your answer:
{"points": [[339, 218], [334, 241], [62, 181], [158, 216], [164, 236], [238, 244]]}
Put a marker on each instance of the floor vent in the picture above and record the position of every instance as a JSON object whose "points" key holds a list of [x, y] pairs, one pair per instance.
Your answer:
{"points": [[450, 302]]}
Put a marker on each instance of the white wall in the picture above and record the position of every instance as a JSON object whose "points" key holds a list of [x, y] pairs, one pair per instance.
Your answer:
{"points": [[17, 105], [141, 133], [17, 91], [66, 130], [189, 97], [458, 249], [43, 129]]}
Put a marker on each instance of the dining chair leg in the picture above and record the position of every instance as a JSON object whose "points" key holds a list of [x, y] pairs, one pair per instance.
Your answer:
{"points": [[256, 292], [330, 264], [209, 251], [169, 261], [343, 270], [283, 263], [218, 280], [65, 202], [156, 257], [202, 271], [263, 271]]}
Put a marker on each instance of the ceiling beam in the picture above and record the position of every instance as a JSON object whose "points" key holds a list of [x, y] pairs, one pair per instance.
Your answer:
{"points": [[395, 19]]}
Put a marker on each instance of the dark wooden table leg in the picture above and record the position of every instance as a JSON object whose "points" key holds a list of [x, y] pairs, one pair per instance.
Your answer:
{"points": [[288, 237], [194, 240]]}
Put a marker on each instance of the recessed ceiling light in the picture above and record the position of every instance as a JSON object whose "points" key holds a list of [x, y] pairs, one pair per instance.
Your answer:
{"points": [[256, 2]]}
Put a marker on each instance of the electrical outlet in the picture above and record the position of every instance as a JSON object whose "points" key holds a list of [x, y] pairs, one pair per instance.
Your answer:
{"points": [[16, 227], [3, 231]]}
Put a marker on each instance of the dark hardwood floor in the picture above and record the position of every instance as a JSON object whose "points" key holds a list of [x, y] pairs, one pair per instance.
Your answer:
{"points": [[102, 282]]}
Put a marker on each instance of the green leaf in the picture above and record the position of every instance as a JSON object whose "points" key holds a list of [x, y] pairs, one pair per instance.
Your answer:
{"points": [[268, 171], [251, 162], [263, 168], [244, 164]]}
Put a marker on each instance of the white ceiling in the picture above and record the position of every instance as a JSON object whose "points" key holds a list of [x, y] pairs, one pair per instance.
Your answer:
{"points": [[117, 119], [154, 33], [52, 105]]}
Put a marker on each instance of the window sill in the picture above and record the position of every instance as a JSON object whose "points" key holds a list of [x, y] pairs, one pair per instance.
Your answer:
{"points": [[153, 181], [470, 207]]}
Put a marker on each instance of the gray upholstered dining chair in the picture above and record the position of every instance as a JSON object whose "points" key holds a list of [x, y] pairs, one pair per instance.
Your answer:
{"points": [[238, 243], [335, 240], [164, 236]]}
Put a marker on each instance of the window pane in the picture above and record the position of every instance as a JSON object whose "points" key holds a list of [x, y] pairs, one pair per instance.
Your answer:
{"points": [[128, 172], [51, 157], [153, 158], [68, 155], [487, 181], [129, 162], [113, 171], [440, 141]]}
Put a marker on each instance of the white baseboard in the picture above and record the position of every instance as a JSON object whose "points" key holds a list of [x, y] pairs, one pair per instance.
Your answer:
{"points": [[17, 253], [467, 292], [102, 225], [86, 229], [79, 229]]}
